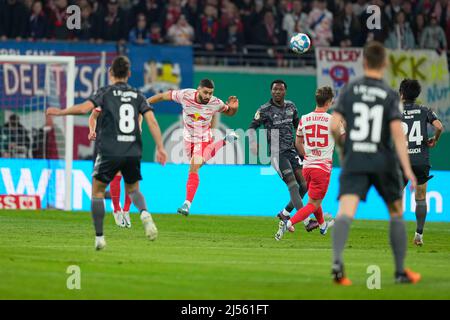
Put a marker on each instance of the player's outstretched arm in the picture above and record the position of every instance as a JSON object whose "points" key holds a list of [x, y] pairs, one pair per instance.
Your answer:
{"points": [[78, 109], [399, 138], [93, 125], [165, 96], [232, 106], [153, 126]]}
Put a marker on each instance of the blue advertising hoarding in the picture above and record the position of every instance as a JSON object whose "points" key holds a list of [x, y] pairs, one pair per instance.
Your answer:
{"points": [[245, 190]]}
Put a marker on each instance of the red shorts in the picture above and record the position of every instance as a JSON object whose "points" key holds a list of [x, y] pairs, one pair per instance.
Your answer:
{"points": [[317, 182], [196, 148]]}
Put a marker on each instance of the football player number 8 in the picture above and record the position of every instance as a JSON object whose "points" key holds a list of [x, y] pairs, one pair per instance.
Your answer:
{"points": [[126, 122], [364, 115]]}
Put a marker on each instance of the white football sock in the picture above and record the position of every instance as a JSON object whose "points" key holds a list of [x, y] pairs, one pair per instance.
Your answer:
{"points": [[285, 212], [306, 221], [188, 203]]}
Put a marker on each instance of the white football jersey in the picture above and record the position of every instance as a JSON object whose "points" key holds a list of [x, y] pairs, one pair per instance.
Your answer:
{"points": [[196, 116], [319, 143]]}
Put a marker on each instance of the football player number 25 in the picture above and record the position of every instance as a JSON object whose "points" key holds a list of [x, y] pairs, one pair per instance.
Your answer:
{"points": [[415, 134], [363, 116], [316, 136], [126, 122]]}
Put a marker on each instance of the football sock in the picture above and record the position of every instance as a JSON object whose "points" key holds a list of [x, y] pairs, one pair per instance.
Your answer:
{"points": [[295, 196], [188, 203], [421, 214], [127, 204], [319, 216], [98, 214], [192, 185], [212, 149], [285, 212], [340, 235], [289, 207], [115, 193], [303, 213], [306, 221], [138, 200], [397, 235]]}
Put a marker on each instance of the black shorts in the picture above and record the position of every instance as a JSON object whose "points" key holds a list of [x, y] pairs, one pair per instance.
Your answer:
{"points": [[286, 162], [106, 168], [388, 184], [422, 173]]}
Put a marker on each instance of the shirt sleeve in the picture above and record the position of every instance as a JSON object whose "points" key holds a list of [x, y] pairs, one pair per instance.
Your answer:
{"points": [[394, 108], [300, 128], [177, 95], [296, 119], [431, 116], [340, 105], [257, 120], [144, 106], [97, 98]]}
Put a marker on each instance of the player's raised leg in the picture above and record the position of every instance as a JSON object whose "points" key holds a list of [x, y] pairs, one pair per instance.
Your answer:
{"points": [[98, 211], [114, 187], [192, 183]]}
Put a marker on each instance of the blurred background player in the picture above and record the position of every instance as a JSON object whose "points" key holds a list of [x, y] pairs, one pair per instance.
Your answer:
{"points": [[121, 216], [415, 125], [373, 146], [316, 144], [199, 106], [120, 143], [280, 118]]}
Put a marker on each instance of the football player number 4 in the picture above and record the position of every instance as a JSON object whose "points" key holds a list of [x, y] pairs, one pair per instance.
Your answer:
{"points": [[126, 122], [415, 134], [363, 116]]}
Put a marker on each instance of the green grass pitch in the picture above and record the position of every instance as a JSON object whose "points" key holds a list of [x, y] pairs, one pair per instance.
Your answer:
{"points": [[206, 257]]}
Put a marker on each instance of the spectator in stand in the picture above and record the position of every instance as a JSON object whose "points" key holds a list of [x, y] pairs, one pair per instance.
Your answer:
{"points": [[14, 17], [392, 9], [401, 37], [87, 31], [408, 10], [442, 12], [152, 9], [320, 22], [38, 21], [172, 13], [379, 35], [433, 36], [113, 26], [18, 138], [418, 27], [234, 39], [58, 20], [425, 7], [192, 12], [230, 15], [248, 16], [155, 34], [268, 33], [359, 7], [140, 34], [208, 28], [295, 21], [48, 142], [181, 33], [270, 5], [346, 28]]}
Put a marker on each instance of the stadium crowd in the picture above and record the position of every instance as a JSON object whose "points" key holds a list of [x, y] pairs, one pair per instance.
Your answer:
{"points": [[230, 24]]}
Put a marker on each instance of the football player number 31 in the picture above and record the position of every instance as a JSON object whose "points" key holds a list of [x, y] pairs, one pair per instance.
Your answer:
{"points": [[363, 116], [126, 122]]}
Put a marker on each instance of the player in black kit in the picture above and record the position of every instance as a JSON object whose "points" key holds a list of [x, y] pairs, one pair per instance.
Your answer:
{"points": [[372, 149], [119, 144], [415, 125], [280, 118]]}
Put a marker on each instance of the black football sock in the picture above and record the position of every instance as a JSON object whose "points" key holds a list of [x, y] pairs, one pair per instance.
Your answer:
{"points": [[138, 200], [421, 214], [289, 207], [295, 195], [397, 234], [340, 236], [98, 214]]}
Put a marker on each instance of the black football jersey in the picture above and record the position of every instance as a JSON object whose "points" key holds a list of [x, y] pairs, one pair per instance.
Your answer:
{"points": [[118, 131], [280, 123], [368, 106], [415, 125]]}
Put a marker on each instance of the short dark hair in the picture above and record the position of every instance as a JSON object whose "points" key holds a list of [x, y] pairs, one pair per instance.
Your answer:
{"points": [[410, 89], [323, 95], [206, 83], [120, 67], [375, 54], [278, 81]]}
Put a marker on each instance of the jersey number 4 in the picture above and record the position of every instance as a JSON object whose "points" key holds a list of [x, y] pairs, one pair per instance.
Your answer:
{"points": [[362, 127], [126, 121], [316, 136], [415, 134]]}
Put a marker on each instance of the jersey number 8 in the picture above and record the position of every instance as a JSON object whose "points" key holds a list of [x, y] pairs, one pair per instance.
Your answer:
{"points": [[126, 121]]}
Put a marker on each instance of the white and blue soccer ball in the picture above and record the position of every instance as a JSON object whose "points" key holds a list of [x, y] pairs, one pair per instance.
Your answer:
{"points": [[300, 43]]}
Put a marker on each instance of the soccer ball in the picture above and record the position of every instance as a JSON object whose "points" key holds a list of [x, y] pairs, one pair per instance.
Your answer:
{"points": [[300, 43]]}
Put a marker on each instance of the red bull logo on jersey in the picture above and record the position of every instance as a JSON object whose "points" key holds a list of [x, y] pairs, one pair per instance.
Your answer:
{"points": [[197, 117]]}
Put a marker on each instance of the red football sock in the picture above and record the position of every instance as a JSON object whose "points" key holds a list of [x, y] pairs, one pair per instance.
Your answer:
{"points": [[319, 215], [303, 213], [191, 186], [114, 187], [212, 149], [127, 204]]}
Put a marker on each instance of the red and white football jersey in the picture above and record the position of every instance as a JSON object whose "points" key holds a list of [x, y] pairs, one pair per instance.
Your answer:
{"points": [[196, 116], [318, 140]]}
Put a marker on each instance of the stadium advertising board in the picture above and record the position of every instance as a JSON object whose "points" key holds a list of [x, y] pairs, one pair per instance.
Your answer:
{"points": [[260, 192]]}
